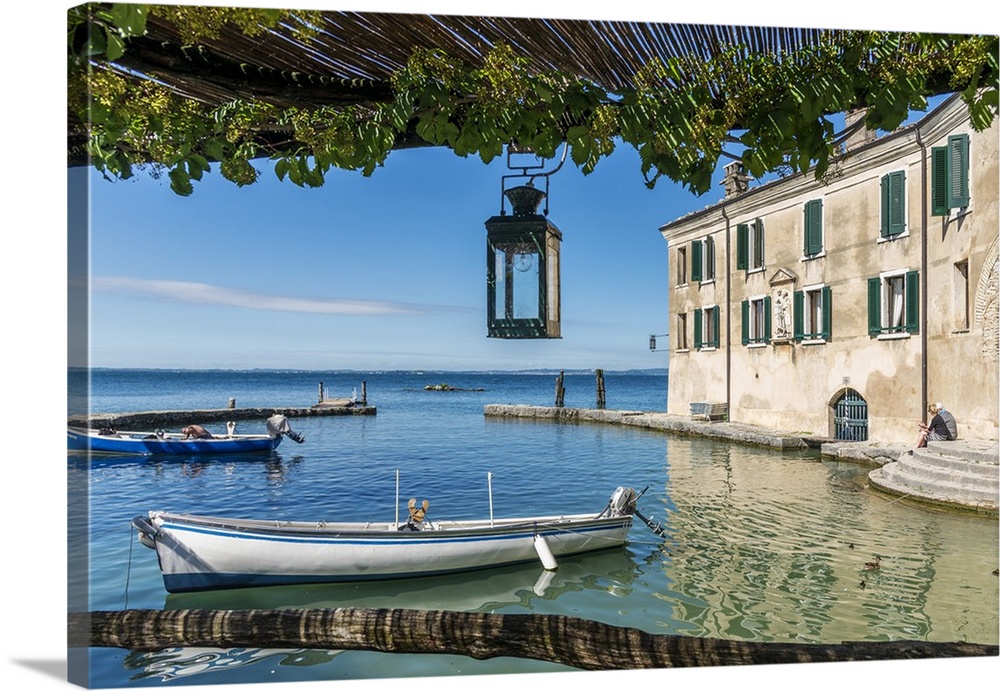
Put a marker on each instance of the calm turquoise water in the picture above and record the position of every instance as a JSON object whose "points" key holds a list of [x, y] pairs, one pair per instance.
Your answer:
{"points": [[761, 545]]}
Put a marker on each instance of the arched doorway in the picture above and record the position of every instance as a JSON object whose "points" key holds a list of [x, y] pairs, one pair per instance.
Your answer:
{"points": [[850, 416]]}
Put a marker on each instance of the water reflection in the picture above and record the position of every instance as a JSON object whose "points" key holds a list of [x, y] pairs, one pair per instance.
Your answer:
{"points": [[766, 549], [175, 663], [489, 590]]}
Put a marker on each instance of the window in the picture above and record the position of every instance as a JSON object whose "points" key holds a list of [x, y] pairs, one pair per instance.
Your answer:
{"points": [[893, 205], [682, 331], [706, 328], [750, 245], [812, 308], [950, 175], [703, 260], [894, 303], [813, 234], [756, 313], [682, 277]]}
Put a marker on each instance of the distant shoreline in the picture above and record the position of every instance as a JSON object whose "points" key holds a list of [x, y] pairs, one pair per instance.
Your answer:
{"points": [[544, 371]]}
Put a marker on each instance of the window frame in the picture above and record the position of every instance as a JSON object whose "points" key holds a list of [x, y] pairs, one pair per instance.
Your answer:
{"points": [[706, 321], [812, 314], [750, 246], [681, 266], [703, 260], [755, 319], [950, 175], [681, 331], [880, 307]]}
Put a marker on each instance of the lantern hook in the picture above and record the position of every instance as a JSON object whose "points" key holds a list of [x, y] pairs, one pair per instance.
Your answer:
{"points": [[515, 148]]}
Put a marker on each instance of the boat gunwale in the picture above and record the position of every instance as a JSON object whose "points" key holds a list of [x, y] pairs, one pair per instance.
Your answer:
{"points": [[382, 530]]}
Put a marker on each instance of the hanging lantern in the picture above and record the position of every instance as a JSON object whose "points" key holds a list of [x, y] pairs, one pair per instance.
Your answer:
{"points": [[522, 269]]}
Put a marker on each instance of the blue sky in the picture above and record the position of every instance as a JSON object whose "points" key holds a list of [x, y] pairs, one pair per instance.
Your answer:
{"points": [[385, 272]]}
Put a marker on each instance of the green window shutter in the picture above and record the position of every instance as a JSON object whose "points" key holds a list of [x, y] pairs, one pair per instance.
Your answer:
{"points": [[813, 235], [897, 203], [767, 319], [827, 313], [912, 287], [745, 319], [758, 240], [709, 259], [697, 329], [696, 260], [874, 306], [798, 308], [884, 207], [742, 245], [715, 325], [958, 171], [893, 207], [939, 181]]}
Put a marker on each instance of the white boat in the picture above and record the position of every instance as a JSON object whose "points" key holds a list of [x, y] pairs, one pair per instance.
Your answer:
{"points": [[206, 553]]}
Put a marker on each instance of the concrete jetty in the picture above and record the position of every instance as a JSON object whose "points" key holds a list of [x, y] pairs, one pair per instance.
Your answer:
{"points": [[960, 474], [166, 418]]}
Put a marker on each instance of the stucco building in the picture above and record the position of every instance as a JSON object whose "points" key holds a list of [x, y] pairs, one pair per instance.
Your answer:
{"points": [[841, 307]]}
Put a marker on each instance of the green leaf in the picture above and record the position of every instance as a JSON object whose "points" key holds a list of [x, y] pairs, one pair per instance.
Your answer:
{"points": [[130, 18], [180, 182]]}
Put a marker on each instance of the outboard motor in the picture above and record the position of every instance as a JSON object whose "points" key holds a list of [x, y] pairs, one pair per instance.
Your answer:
{"points": [[622, 502], [277, 425]]}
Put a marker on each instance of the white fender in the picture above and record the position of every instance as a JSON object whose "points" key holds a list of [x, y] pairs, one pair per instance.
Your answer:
{"points": [[545, 554]]}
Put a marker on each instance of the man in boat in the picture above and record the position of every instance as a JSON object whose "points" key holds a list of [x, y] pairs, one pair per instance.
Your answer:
{"points": [[196, 432]]}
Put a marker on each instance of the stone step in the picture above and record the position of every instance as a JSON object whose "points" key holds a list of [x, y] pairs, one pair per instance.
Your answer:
{"points": [[930, 457], [972, 450], [945, 492], [913, 471]]}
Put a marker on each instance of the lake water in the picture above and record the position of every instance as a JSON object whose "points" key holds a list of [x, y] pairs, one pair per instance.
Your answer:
{"points": [[760, 545]]}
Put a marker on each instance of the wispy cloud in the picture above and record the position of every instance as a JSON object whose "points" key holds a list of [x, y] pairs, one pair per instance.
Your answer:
{"points": [[206, 294]]}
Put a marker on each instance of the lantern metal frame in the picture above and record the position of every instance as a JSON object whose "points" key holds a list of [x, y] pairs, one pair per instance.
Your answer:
{"points": [[526, 232]]}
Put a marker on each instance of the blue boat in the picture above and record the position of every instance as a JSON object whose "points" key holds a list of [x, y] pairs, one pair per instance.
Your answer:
{"points": [[112, 441]]}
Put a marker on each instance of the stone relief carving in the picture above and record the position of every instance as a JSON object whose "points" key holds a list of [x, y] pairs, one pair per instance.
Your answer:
{"points": [[782, 284], [986, 305], [782, 314]]}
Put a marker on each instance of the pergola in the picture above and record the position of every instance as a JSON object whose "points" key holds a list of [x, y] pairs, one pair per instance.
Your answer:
{"points": [[352, 56]]}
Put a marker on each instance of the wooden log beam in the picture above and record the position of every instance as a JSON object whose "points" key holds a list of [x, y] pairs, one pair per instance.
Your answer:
{"points": [[564, 640]]}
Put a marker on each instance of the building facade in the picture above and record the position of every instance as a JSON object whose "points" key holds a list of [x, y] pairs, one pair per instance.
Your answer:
{"points": [[841, 307]]}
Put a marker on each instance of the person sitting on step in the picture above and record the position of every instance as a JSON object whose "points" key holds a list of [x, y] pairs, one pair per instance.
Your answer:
{"points": [[935, 430]]}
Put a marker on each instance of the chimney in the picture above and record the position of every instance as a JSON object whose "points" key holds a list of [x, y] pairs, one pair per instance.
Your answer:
{"points": [[863, 135], [735, 179]]}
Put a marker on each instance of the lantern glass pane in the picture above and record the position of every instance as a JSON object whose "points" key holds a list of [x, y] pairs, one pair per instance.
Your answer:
{"points": [[525, 274], [500, 274]]}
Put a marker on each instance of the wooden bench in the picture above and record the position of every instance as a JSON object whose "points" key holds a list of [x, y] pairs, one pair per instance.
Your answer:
{"points": [[710, 411]]}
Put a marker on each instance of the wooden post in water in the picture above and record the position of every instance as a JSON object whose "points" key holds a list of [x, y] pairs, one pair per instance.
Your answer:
{"points": [[560, 391], [364, 393], [564, 640], [321, 392], [600, 389]]}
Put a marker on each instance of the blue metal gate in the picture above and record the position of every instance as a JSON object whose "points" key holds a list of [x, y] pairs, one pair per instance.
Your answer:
{"points": [[850, 417]]}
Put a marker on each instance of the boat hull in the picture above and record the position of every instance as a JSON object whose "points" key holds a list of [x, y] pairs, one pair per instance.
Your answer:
{"points": [[148, 443], [200, 553]]}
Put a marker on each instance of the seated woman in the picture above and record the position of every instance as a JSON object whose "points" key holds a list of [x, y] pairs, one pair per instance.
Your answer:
{"points": [[196, 432], [935, 430]]}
